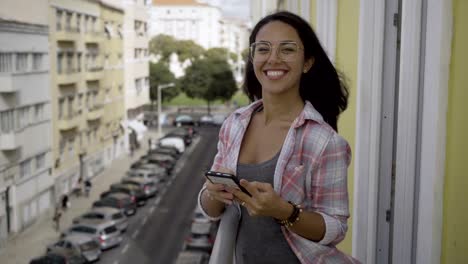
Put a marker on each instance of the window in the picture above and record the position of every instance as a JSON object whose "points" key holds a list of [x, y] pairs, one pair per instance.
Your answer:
{"points": [[25, 168], [7, 121], [70, 62], [23, 117], [62, 145], [37, 61], [58, 17], [40, 161], [86, 21], [39, 112], [21, 62], [93, 24], [61, 108], [59, 62], [71, 143], [78, 62], [68, 21], [6, 62], [78, 22]]}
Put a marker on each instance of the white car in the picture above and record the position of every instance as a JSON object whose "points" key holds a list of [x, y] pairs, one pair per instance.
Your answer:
{"points": [[176, 142]]}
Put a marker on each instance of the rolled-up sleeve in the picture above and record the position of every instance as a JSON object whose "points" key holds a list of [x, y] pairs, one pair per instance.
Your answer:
{"points": [[330, 189]]}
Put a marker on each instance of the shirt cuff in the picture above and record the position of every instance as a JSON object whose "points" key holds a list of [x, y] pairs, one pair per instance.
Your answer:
{"points": [[202, 209], [332, 229]]}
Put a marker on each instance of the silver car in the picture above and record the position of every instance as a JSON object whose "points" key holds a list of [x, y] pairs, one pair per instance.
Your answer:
{"points": [[192, 257], [105, 232], [112, 215], [82, 245], [148, 186]]}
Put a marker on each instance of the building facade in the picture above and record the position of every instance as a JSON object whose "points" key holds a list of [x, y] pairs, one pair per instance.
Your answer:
{"points": [[405, 62], [86, 41], [26, 183], [187, 20], [235, 38]]}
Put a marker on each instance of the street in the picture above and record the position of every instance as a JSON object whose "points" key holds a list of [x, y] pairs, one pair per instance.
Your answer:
{"points": [[156, 233]]}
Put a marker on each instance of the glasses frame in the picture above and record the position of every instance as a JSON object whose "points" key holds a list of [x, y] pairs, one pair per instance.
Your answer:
{"points": [[271, 45]]}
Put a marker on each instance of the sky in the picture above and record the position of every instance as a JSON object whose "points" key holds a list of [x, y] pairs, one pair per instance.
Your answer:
{"points": [[233, 8]]}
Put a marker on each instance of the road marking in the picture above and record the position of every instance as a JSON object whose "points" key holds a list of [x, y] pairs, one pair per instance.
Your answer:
{"points": [[151, 209], [135, 234], [158, 199], [144, 220], [125, 249]]}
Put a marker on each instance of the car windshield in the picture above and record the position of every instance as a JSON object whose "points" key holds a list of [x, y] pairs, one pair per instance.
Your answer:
{"points": [[90, 245]]}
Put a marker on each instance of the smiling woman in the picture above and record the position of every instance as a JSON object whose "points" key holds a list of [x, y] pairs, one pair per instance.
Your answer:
{"points": [[285, 149]]}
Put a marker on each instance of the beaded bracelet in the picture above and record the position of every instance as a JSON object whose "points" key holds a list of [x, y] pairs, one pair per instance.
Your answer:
{"points": [[293, 218]]}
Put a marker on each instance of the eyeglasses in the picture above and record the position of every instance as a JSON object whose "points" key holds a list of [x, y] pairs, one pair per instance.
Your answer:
{"points": [[287, 51]]}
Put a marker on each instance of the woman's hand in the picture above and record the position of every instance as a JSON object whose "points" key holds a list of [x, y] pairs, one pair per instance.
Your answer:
{"points": [[218, 191], [264, 200]]}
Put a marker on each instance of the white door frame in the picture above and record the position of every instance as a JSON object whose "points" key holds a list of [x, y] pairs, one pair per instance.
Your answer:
{"points": [[428, 190], [367, 148], [432, 166]]}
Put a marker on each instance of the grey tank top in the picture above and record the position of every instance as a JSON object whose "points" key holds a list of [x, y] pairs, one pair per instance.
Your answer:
{"points": [[260, 239]]}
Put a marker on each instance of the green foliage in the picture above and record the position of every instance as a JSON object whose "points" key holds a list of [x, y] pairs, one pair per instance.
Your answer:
{"points": [[160, 74], [165, 45], [245, 54], [217, 54], [209, 78], [162, 45], [233, 56]]}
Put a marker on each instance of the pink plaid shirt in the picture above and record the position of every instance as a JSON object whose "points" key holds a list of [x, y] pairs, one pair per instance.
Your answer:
{"points": [[311, 171]]}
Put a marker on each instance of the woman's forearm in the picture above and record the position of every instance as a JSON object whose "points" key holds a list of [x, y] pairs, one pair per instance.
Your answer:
{"points": [[212, 207]]}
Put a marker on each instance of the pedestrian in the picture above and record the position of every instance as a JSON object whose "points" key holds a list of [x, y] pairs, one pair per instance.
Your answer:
{"points": [[285, 149], [88, 187], [65, 202], [56, 218]]}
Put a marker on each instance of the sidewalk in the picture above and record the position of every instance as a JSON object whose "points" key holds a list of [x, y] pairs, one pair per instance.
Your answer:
{"points": [[32, 242]]}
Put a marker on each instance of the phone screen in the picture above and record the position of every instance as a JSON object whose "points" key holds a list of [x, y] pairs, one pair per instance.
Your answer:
{"points": [[226, 179]]}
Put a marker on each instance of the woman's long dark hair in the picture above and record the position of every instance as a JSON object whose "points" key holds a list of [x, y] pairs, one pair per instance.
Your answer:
{"points": [[321, 85]]}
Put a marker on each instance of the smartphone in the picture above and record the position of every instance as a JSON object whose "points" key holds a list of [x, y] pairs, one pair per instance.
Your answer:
{"points": [[226, 179]]}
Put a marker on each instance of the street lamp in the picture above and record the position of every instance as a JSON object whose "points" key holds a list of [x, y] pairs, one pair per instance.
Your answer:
{"points": [[160, 87]]}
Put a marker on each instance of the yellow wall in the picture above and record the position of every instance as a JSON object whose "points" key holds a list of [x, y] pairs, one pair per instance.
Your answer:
{"points": [[455, 230], [346, 61]]}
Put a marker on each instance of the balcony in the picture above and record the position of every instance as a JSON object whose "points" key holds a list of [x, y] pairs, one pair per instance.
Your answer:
{"points": [[95, 113], [9, 141], [94, 73], [69, 122], [68, 35], [6, 83], [93, 37], [69, 76]]}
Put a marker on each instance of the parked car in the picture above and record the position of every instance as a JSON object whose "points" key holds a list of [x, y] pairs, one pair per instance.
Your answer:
{"points": [[153, 165], [168, 151], [175, 142], [105, 232], [201, 237], [180, 133], [79, 244], [184, 120], [160, 181], [148, 186], [192, 257], [206, 120], [199, 217], [165, 161], [59, 257], [121, 201], [105, 213], [218, 119], [132, 190]]}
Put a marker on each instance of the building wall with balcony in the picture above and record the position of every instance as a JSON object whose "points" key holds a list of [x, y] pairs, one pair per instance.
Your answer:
{"points": [[136, 57], [25, 115], [77, 61], [112, 135]]}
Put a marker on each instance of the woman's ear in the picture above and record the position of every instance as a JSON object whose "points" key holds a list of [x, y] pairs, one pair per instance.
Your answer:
{"points": [[308, 64]]}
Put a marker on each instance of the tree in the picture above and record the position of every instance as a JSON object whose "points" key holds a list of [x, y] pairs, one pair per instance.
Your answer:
{"points": [[209, 78], [163, 45], [160, 74], [188, 49], [245, 54], [217, 53]]}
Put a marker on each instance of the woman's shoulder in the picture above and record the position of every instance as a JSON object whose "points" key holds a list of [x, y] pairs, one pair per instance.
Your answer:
{"points": [[323, 137]]}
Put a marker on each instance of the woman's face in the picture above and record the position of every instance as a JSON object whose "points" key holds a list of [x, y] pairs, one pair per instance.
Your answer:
{"points": [[278, 58]]}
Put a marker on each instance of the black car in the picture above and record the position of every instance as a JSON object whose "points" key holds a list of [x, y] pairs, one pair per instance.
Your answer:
{"points": [[59, 258], [120, 201], [184, 120], [167, 151], [140, 197]]}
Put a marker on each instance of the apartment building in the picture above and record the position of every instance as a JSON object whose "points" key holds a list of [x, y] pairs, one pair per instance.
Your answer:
{"points": [[235, 38], [26, 183], [187, 20], [86, 44]]}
